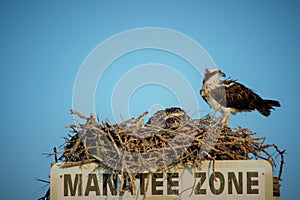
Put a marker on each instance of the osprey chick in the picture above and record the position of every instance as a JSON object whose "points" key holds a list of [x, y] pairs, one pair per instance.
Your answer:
{"points": [[229, 96]]}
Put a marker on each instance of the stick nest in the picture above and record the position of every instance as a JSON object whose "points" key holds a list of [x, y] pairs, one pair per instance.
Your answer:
{"points": [[170, 138]]}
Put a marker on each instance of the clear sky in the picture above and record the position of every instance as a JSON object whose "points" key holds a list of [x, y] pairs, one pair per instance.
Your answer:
{"points": [[44, 43]]}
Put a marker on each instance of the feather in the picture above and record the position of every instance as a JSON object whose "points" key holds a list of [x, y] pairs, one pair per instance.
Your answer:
{"points": [[230, 94]]}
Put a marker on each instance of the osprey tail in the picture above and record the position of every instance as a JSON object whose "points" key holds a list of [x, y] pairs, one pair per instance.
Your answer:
{"points": [[266, 106]]}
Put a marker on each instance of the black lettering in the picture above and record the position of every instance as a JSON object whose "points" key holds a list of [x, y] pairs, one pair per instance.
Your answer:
{"points": [[172, 183], [112, 185], [202, 176], [238, 184], [142, 183], [92, 185], [127, 186], [251, 182], [212, 179], [156, 183], [68, 185]]}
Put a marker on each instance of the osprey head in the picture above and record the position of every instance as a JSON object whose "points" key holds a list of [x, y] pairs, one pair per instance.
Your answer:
{"points": [[213, 72]]}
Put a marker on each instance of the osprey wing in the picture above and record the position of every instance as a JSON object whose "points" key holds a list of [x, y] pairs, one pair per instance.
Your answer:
{"points": [[235, 95]]}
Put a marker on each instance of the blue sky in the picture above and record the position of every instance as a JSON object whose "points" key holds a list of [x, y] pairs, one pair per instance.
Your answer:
{"points": [[44, 43]]}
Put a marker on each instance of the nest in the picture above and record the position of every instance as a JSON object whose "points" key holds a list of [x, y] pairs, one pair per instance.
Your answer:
{"points": [[170, 138]]}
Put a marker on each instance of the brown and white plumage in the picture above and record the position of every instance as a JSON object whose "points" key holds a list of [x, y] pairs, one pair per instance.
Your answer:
{"points": [[229, 96]]}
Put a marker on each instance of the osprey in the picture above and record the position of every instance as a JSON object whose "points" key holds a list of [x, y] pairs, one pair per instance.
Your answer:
{"points": [[229, 96]]}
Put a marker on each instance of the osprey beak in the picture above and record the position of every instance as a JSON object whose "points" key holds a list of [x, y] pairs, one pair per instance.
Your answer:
{"points": [[222, 74]]}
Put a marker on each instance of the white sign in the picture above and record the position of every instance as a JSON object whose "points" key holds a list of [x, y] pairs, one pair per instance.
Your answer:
{"points": [[229, 180]]}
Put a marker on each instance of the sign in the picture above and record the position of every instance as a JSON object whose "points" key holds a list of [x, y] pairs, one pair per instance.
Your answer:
{"points": [[251, 179]]}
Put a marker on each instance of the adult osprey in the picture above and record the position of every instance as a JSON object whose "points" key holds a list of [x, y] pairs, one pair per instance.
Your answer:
{"points": [[229, 96]]}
